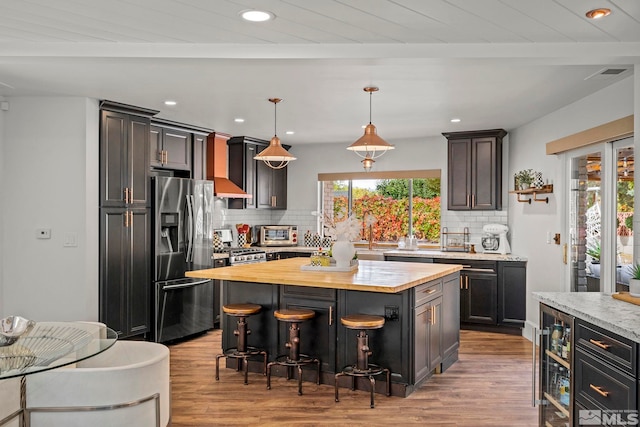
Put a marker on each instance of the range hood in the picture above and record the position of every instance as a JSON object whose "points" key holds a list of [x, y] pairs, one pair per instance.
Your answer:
{"points": [[217, 168]]}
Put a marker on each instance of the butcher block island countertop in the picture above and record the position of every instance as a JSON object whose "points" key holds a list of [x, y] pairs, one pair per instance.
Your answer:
{"points": [[420, 303], [370, 276]]}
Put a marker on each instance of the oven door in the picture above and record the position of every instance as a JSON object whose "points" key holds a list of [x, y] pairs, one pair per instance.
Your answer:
{"points": [[183, 307]]}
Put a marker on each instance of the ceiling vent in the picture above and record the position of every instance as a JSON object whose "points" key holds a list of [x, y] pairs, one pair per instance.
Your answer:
{"points": [[607, 73]]}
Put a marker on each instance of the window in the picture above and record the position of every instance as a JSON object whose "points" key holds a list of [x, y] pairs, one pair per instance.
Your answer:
{"points": [[389, 208]]}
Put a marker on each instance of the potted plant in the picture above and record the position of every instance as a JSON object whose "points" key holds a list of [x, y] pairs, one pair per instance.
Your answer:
{"points": [[524, 179], [628, 222], [634, 281]]}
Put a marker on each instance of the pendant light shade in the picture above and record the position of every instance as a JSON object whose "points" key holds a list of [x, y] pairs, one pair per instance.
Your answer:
{"points": [[275, 156], [370, 146]]}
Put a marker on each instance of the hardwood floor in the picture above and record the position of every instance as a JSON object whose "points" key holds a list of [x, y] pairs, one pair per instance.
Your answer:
{"points": [[489, 386]]}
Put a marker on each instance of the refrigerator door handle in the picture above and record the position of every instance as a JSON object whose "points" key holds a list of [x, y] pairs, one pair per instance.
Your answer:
{"points": [[189, 228], [185, 285]]}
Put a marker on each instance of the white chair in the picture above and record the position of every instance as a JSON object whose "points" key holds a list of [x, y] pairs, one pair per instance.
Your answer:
{"points": [[125, 385]]}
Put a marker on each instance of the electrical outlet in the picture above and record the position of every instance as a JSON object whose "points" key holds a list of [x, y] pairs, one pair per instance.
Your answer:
{"points": [[391, 312]]}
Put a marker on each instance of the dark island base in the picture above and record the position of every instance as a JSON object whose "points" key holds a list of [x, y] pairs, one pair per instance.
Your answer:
{"points": [[309, 376]]}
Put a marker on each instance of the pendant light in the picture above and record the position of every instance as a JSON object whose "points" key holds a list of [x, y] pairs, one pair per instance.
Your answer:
{"points": [[275, 156], [370, 146]]}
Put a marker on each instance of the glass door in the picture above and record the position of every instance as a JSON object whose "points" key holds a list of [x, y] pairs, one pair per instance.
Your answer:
{"points": [[584, 212], [624, 212], [600, 217], [556, 383]]}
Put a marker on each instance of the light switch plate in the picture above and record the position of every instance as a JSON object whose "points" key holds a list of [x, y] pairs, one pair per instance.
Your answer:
{"points": [[70, 240]]}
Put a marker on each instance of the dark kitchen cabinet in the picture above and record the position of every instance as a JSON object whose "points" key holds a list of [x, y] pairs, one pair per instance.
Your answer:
{"points": [[125, 245], [512, 293], [317, 335], [124, 156], [267, 186], [475, 170], [450, 320], [170, 148], [428, 329], [478, 291], [199, 156]]}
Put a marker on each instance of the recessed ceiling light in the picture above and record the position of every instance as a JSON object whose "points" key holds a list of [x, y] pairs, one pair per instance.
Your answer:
{"points": [[455, 120], [598, 13], [289, 132], [170, 102], [256, 15], [238, 120]]}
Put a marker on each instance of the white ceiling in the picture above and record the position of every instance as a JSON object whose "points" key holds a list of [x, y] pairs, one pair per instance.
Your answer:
{"points": [[492, 63]]}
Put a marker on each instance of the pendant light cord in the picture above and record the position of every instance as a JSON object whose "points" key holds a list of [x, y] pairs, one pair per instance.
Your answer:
{"points": [[275, 119], [370, 104]]}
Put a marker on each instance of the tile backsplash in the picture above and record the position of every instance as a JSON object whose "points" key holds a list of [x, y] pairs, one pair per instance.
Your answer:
{"points": [[305, 220], [457, 220], [228, 218]]}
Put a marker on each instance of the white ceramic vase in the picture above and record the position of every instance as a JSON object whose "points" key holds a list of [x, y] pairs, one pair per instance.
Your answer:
{"points": [[634, 287], [343, 252]]}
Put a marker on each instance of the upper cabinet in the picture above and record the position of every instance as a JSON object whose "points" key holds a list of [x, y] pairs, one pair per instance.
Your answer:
{"points": [[170, 148], [475, 170], [124, 155], [267, 186], [178, 147]]}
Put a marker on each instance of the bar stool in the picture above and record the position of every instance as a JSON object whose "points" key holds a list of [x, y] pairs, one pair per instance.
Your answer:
{"points": [[242, 351], [362, 368], [294, 358]]}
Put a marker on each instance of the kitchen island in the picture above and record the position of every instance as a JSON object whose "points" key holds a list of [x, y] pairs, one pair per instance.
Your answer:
{"points": [[420, 303]]}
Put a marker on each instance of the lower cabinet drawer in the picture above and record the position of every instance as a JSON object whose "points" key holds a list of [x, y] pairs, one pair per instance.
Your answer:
{"points": [[616, 350], [607, 387], [427, 291]]}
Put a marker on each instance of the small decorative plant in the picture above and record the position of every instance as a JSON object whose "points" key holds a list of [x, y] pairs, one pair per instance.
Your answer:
{"points": [[594, 252], [524, 179], [634, 281], [628, 222]]}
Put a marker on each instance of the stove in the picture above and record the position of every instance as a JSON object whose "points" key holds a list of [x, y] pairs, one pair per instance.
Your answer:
{"points": [[246, 255]]}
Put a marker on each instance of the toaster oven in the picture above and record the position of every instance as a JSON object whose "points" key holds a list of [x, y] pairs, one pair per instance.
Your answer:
{"points": [[277, 235]]}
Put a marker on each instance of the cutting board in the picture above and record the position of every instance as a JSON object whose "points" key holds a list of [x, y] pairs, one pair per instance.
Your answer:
{"points": [[624, 296]]}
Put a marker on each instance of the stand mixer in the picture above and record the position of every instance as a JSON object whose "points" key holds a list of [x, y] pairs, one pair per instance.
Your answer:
{"points": [[494, 240]]}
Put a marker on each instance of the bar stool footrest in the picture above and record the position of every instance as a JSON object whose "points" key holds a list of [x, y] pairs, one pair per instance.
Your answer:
{"points": [[303, 360], [354, 371]]}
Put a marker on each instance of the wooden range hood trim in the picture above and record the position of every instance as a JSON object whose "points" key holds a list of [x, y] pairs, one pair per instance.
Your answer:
{"points": [[608, 132], [217, 168]]}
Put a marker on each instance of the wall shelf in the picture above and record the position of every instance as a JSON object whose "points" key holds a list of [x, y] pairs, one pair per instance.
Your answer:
{"points": [[532, 194]]}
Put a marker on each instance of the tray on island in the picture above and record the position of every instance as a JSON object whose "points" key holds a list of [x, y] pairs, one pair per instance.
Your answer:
{"points": [[332, 267]]}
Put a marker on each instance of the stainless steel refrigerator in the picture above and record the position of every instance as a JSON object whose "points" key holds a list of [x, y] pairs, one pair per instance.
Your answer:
{"points": [[183, 240]]}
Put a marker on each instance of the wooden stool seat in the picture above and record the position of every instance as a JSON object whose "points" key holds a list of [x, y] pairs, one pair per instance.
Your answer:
{"points": [[294, 315], [241, 309], [294, 359], [362, 321]]}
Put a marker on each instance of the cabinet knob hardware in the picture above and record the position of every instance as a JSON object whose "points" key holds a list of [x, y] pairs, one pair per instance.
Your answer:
{"points": [[461, 283], [600, 344], [273, 201], [330, 315], [466, 282], [433, 315], [599, 390], [429, 291], [473, 200], [469, 200]]}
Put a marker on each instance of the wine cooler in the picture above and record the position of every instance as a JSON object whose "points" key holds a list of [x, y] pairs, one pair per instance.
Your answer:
{"points": [[555, 379]]}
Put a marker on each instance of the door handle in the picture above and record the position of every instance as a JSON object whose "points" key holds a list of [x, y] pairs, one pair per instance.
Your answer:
{"points": [[461, 283], [273, 201], [466, 279], [433, 315], [330, 315]]}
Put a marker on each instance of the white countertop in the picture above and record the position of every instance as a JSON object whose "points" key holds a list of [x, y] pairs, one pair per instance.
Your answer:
{"points": [[601, 309]]}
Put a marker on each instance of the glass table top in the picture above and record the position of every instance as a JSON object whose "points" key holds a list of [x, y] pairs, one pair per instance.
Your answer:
{"points": [[49, 345]]}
